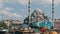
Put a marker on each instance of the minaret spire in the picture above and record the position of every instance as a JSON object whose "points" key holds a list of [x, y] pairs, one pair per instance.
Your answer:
{"points": [[53, 10], [29, 12]]}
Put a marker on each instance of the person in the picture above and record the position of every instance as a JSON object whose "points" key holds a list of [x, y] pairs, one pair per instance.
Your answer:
{"points": [[43, 30]]}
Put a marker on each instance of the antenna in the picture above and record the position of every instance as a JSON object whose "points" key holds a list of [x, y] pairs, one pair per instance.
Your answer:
{"points": [[53, 10]]}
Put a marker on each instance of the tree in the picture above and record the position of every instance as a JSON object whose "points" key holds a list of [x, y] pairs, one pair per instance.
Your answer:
{"points": [[3, 25]]}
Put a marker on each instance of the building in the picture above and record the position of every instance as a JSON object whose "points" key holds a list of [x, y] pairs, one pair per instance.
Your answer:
{"points": [[57, 24], [13, 23], [16, 23], [36, 16]]}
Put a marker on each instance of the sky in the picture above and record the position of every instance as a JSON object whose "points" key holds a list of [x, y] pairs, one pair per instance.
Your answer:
{"points": [[18, 9]]}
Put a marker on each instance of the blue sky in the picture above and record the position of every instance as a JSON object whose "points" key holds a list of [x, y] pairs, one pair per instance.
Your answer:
{"points": [[18, 9]]}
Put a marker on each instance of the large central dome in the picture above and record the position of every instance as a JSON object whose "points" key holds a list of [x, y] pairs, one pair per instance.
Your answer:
{"points": [[38, 11]]}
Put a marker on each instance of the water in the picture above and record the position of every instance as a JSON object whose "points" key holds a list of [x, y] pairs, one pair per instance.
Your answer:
{"points": [[17, 32]]}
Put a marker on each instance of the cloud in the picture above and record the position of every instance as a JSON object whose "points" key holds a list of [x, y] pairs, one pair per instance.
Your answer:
{"points": [[6, 12], [7, 9], [57, 2], [0, 16], [46, 2], [1, 3], [11, 1], [16, 15], [24, 2]]}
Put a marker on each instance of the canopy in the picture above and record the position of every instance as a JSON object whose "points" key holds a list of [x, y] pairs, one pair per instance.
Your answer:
{"points": [[46, 24], [43, 24]]}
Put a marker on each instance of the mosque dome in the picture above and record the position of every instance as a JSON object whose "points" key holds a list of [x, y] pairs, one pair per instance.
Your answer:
{"points": [[39, 11]]}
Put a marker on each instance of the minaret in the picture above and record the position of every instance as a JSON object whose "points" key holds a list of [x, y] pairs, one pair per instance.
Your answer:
{"points": [[53, 10], [29, 12]]}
